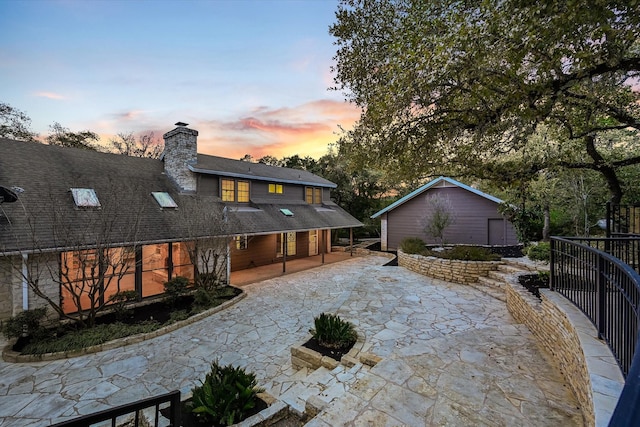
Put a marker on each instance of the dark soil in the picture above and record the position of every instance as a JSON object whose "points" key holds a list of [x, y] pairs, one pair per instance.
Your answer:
{"points": [[533, 283], [334, 353], [158, 311], [189, 419]]}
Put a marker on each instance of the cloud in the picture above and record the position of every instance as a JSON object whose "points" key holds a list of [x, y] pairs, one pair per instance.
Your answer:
{"points": [[49, 95], [128, 115]]}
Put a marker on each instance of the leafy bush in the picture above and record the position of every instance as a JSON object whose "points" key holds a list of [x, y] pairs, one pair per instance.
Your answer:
{"points": [[333, 332], [83, 338], [26, 323], [412, 245], [175, 288], [467, 253], [540, 252], [120, 301], [226, 395], [208, 281]]}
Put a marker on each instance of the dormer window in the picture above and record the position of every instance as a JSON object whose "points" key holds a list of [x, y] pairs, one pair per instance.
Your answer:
{"points": [[276, 188], [232, 190], [313, 195], [85, 198], [164, 199]]}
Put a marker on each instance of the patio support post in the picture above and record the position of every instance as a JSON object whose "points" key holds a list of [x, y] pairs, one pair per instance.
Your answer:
{"points": [[322, 244], [351, 241], [284, 253]]}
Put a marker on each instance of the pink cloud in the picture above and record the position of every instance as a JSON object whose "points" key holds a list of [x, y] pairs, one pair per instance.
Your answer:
{"points": [[49, 95]]}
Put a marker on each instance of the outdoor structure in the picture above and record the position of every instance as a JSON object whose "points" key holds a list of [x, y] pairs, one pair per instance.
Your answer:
{"points": [[74, 221], [474, 216]]}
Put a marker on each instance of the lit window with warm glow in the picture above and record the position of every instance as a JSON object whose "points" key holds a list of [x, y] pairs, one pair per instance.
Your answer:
{"points": [[228, 190], [313, 195], [243, 191], [276, 188]]}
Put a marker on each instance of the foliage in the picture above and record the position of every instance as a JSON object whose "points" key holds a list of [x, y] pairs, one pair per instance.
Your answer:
{"points": [[145, 146], [466, 253], [448, 84], [333, 332], [439, 217], [28, 322], [412, 245], [540, 252], [177, 316], [175, 288], [83, 338], [528, 223], [64, 137], [226, 394], [119, 302], [15, 124]]}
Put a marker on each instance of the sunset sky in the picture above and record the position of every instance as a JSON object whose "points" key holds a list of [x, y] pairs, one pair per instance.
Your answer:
{"points": [[251, 76]]}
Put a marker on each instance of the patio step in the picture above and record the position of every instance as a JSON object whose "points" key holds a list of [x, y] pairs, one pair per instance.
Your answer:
{"points": [[491, 282], [525, 264]]}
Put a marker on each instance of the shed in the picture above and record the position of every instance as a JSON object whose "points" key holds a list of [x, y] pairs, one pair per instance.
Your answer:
{"points": [[476, 217]]}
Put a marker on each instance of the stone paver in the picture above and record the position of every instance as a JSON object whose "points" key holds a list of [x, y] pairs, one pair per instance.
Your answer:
{"points": [[451, 356]]}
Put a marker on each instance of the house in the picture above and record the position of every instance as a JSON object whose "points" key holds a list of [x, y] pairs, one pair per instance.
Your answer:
{"points": [[476, 217], [70, 216]]}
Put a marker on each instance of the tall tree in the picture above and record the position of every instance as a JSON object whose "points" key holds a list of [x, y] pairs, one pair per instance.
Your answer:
{"points": [[15, 124], [454, 82], [64, 137], [144, 146]]}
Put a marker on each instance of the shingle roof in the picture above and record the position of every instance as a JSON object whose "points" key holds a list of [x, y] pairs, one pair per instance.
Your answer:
{"points": [[258, 171], [432, 184], [45, 216]]}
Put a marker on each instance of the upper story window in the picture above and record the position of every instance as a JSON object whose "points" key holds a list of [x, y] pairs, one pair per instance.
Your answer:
{"points": [[276, 188], [232, 190], [313, 195]]}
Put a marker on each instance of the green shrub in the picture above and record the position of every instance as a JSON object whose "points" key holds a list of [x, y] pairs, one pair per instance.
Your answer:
{"points": [[203, 299], [333, 332], [226, 395], [120, 301], [540, 252], [26, 323], [412, 245], [467, 253], [175, 288]]}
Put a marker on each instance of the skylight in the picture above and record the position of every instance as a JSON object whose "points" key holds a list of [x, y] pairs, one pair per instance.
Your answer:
{"points": [[164, 199], [85, 198], [286, 212]]}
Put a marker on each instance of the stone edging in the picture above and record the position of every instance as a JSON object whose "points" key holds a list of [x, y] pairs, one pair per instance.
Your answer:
{"points": [[11, 356], [564, 331], [303, 357], [450, 270]]}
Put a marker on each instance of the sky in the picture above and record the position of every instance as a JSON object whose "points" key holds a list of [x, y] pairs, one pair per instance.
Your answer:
{"points": [[252, 77]]}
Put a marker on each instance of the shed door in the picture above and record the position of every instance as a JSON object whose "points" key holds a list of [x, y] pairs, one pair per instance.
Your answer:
{"points": [[497, 231], [313, 242]]}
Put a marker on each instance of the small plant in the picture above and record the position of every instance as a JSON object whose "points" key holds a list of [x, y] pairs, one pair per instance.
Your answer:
{"points": [[468, 253], [540, 252], [333, 332], [412, 245], [226, 395], [441, 215], [26, 323], [120, 301], [175, 288]]}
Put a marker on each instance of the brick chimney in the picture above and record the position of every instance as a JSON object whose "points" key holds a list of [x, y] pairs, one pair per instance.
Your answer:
{"points": [[181, 150]]}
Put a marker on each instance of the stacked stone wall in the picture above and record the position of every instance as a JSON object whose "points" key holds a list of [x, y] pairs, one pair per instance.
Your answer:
{"points": [[451, 270], [553, 329]]}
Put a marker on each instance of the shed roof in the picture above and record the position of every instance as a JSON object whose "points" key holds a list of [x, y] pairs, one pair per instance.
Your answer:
{"points": [[432, 184]]}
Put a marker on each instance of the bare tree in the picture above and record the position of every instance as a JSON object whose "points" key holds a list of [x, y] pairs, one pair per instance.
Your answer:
{"points": [[64, 137], [77, 265], [440, 216], [145, 146]]}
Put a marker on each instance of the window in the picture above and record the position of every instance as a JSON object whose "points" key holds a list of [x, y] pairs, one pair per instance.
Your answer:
{"points": [[243, 191], [235, 190], [85, 198], [164, 199], [228, 190], [242, 243], [290, 240], [313, 195], [276, 188]]}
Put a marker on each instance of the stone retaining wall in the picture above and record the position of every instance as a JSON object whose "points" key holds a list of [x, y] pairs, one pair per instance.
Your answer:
{"points": [[451, 270]]}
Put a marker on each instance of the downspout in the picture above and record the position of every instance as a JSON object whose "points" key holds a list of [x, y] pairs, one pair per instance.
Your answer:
{"points": [[25, 284]]}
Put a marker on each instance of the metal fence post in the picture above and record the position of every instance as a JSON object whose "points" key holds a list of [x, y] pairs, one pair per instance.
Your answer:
{"points": [[552, 274], [601, 285]]}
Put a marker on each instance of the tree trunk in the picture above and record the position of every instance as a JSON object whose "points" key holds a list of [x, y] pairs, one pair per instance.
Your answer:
{"points": [[607, 171], [546, 228]]}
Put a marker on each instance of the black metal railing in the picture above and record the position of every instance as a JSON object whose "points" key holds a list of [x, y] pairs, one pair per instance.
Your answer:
{"points": [[608, 291], [622, 220], [132, 412]]}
